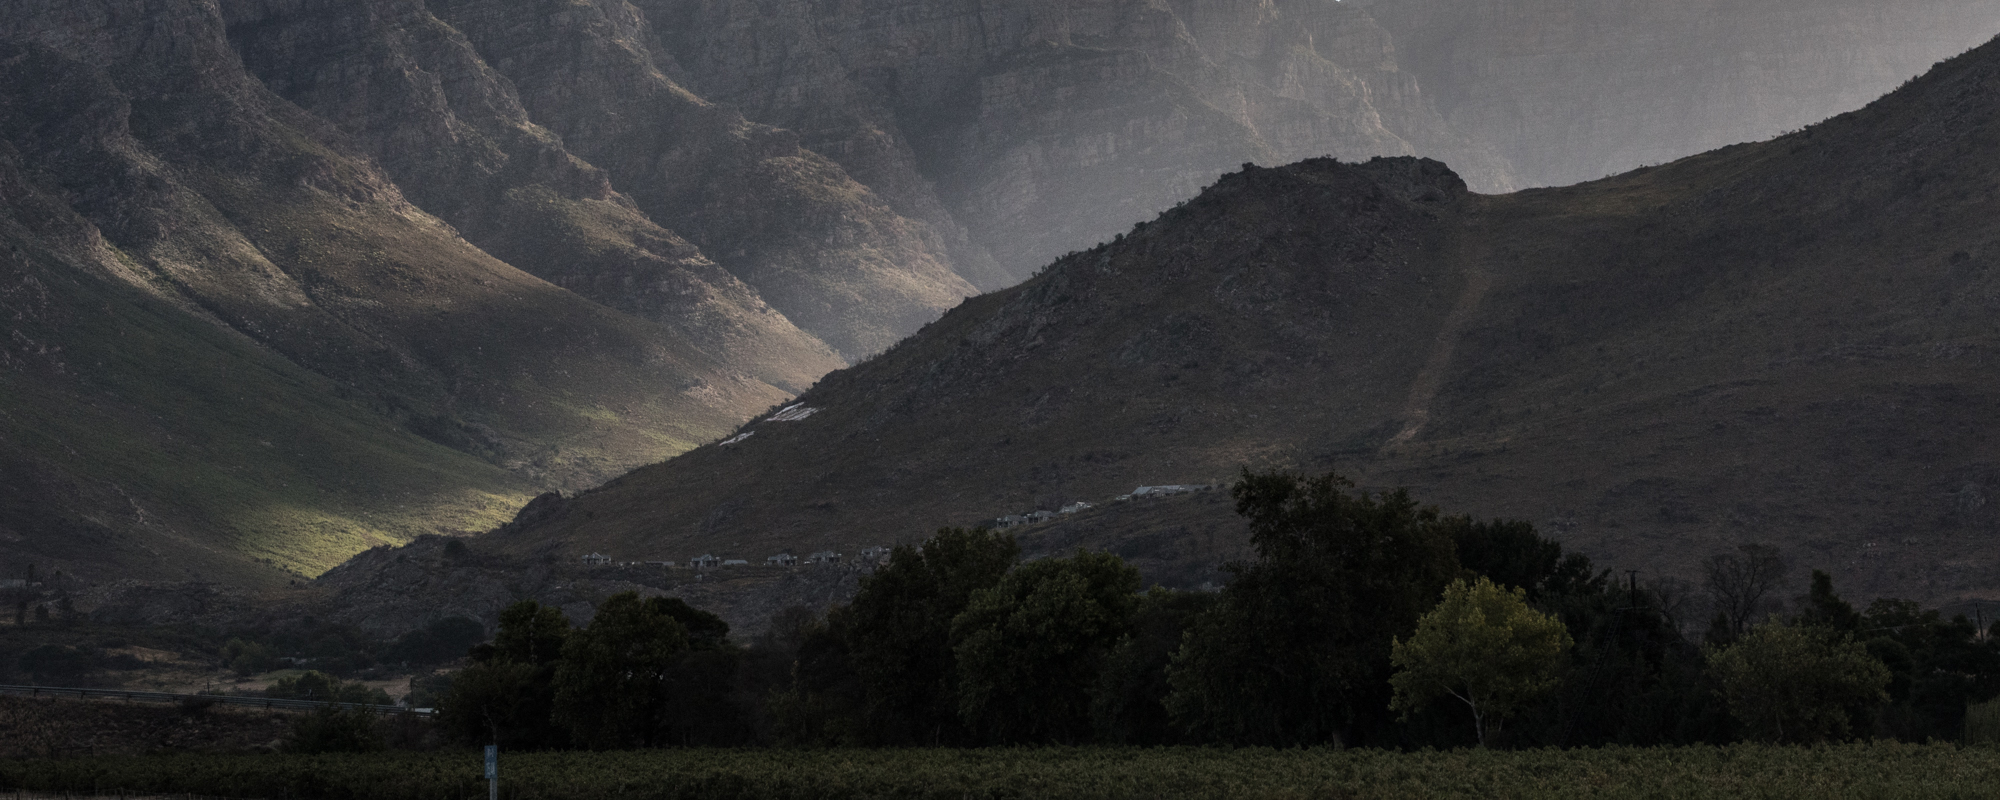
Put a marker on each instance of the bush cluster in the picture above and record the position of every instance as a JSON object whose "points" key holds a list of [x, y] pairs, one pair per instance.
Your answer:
{"points": [[955, 642]]}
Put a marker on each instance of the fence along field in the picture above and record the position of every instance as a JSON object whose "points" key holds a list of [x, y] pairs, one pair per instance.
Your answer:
{"points": [[1871, 770]]}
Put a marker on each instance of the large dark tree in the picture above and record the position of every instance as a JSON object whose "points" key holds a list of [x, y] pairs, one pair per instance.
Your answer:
{"points": [[614, 684], [1128, 705], [1297, 650], [1511, 553], [1031, 648], [881, 670], [1937, 666], [507, 696]]}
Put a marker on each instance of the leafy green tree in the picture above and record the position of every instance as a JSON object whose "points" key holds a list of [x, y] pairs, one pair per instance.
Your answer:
{"points": [[507, 696], [246, 657], [705, 631], [897, 633], [315, 685], [530, 633], [1297, 649], [1483, 645], [1128, 706], [612, 686], [1511, 553], [1030, 648], [1823, 608], [825, 702], [1791, 684], [1938, 666], [703, 707]]}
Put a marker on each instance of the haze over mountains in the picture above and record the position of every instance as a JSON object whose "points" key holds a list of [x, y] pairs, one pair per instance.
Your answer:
{"points": [[285, 280], [1785, 342]]}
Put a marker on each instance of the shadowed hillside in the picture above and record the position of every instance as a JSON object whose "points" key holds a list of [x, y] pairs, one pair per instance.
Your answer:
{"points": [[232, 333], [1778, 342]]}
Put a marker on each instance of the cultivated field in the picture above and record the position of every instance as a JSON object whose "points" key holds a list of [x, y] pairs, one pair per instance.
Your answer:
{"points": [[1875, 770]]}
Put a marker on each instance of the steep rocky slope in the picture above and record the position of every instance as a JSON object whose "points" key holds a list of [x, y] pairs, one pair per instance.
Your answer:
{"points": [[452, 134], [819, 246], [214, 294], [1779, 342]]}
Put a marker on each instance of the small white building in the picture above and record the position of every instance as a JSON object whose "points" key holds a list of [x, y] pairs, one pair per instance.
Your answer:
{"points": [[782, 560], [1162, 491], [875, 555], [1034, 517], [1074, 507], [705, 561], [823, 557], [735, 562], [596, 560]]}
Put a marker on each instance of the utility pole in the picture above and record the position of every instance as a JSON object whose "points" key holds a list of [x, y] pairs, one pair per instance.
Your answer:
{"points": [[1632, 575], [493, 772]]}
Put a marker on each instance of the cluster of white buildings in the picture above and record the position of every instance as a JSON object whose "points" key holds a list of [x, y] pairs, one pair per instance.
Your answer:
{"points": [[870, 556], [1033, 517], [873, 556]]}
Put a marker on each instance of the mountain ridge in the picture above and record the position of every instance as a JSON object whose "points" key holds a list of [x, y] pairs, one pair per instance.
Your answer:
{"points": [[1661, 364], [514, 247]]}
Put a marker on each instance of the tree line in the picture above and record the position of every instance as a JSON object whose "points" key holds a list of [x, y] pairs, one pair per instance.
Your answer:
{"points": [[1363, 619]]}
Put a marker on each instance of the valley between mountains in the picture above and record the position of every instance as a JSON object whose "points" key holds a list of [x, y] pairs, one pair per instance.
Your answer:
{"points": [[289, 286]]}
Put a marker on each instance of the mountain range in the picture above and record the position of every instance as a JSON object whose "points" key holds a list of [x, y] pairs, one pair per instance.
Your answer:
{"points": [[287, 281], [1783, 342]]}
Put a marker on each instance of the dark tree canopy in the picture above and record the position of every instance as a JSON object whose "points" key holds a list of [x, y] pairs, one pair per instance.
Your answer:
{"points": [[1128, 706], [1031, 648], [1511, 553], [611, 686], [1297, 650], [890, 650], [507, 696]]}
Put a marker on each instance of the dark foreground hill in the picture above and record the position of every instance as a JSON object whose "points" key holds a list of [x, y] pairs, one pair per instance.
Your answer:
{"points": [[1786, 342]]}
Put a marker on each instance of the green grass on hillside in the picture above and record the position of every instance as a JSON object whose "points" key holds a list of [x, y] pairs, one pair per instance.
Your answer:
{"points": [[1872, 770], [245, 454]]}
